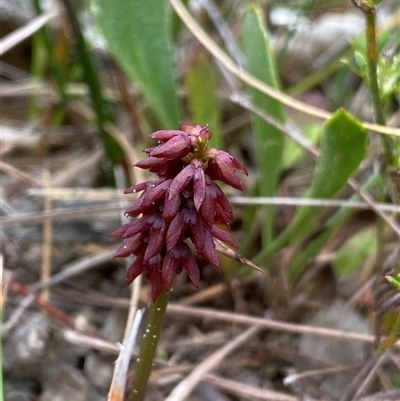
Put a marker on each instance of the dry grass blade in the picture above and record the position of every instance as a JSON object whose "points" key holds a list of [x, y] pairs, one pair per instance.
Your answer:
{"points": [[298, 138], [185, 387], [249, 392], [76, 268], [20, 175], [364, 378], [16, 315], [72, 213], [289, 380], [17, 288], [113, 195], [391, 395], [230, 65], [20, 34], [84, 340], [117, 388], [270, 324], [245, 200]]}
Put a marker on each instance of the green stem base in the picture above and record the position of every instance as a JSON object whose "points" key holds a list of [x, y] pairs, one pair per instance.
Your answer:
{"points": [[149, 346]]}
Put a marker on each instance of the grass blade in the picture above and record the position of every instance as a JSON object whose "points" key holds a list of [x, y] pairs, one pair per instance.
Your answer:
{"points": [[269, 141]]}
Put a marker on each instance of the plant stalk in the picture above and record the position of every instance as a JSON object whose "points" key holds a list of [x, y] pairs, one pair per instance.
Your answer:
{"points": [[149, 346], [372, 61]]}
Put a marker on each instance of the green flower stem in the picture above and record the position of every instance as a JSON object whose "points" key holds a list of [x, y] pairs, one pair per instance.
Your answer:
{"points": [[372, 60], [148, 346]]}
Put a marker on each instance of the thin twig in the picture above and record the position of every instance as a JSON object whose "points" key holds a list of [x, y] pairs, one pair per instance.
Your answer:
{"points": [[246, 200], [367, 381], [91, 194], [47, 237]]}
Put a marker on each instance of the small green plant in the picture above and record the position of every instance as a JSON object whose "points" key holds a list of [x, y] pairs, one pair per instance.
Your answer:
{"points": [[388, 68]]}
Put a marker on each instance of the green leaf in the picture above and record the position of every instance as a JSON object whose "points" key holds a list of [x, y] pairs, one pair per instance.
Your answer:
{"points": [[343, 147], [269, 142], [201, 82], [139, 37]]}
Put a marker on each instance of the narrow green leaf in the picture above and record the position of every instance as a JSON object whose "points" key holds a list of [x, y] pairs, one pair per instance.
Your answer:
{"points": [[139, 37], [343, 147], [201, 82], [269, 142]]}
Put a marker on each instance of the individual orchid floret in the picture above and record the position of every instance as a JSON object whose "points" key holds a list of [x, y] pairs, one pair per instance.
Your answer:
{"points": [[181, 210], [223, 166], [175, 148]]}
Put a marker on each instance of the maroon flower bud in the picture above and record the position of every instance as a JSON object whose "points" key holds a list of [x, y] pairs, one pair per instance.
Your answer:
{"points": [[175, 148], [222, 166], [184, 205]]}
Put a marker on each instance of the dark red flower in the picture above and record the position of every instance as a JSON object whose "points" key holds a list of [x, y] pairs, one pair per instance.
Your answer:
{"points": [[183, 205]]}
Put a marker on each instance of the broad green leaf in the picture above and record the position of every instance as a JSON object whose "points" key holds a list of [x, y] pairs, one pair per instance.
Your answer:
{"points": [[139, 37], [269, 142], [343, 147], [201, 82]]}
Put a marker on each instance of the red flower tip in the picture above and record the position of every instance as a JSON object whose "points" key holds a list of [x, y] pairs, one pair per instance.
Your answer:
{"points": [[191, 129]]}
